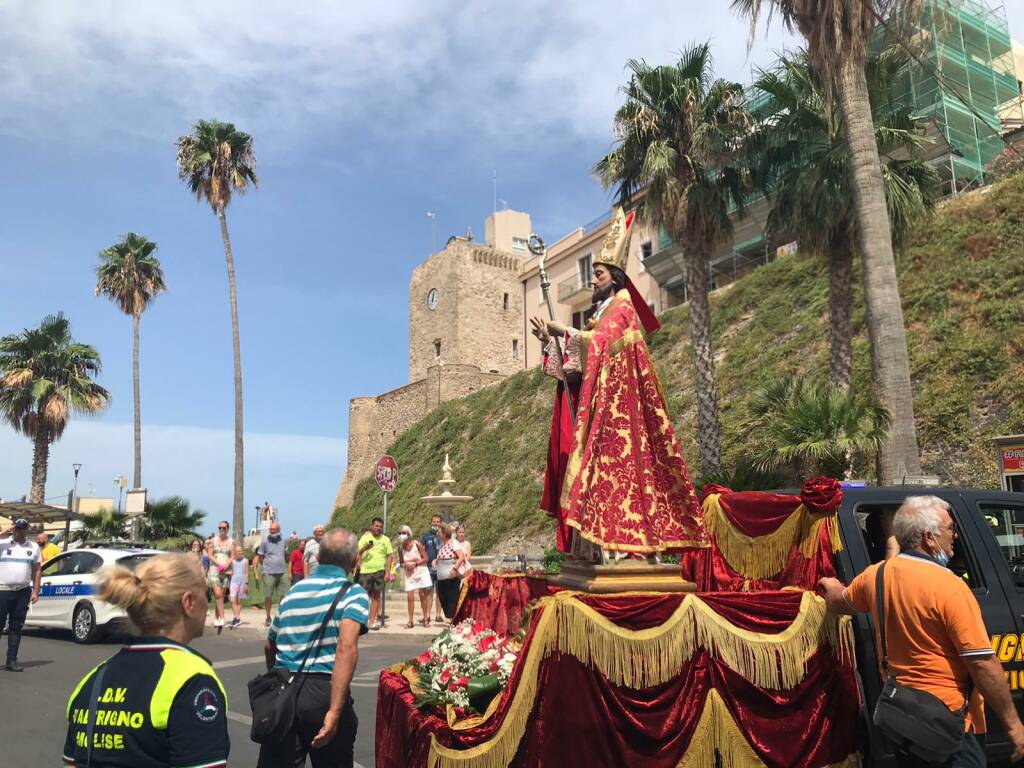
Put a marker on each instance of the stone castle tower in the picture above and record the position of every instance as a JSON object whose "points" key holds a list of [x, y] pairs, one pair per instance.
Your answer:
{"points": [[466, 323]]}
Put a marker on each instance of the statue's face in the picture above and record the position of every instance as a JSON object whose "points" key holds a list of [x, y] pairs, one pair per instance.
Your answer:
{"points": [[602, 276]]}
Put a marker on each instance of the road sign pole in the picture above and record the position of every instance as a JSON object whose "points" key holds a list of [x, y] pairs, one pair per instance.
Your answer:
{"points": [[386, 475], [384, 590]]}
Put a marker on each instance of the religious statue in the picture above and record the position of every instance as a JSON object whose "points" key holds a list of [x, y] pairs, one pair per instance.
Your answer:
{"points": [[616, 477]]}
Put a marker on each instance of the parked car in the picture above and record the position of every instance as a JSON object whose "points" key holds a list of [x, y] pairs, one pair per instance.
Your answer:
{"points": [[67, 594], [988, 554]]}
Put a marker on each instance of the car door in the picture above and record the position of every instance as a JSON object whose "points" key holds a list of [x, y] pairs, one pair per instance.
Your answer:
{"points": [[1000, 520], [55, 575]]}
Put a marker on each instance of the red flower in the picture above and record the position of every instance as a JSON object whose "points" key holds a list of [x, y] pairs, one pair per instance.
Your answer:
{"points": [[478, 627], [424, 658], [445, 676], [485, 643], [452, 686], [821, 495], [462, 682]]}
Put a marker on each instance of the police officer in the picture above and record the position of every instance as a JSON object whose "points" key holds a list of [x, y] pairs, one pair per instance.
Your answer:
{"points": [[19, 585], [157, 702]]}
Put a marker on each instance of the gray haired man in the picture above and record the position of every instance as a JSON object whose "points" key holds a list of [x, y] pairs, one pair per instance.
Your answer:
{"points": [[325, 722]]}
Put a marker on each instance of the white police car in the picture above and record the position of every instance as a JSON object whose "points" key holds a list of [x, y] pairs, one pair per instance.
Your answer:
{"points": [[67, 593]]}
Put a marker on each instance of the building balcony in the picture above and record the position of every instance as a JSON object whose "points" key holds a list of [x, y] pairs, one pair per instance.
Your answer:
{"points": [[574, 289]]}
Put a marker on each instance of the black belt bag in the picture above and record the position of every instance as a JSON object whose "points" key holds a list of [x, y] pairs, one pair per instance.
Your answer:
{"points": [[914, 721], [272, 694]]}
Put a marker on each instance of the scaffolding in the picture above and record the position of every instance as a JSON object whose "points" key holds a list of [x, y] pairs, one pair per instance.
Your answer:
{"points": [[961, 82]]}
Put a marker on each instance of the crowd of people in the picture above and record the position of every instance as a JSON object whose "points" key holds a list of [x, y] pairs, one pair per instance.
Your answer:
{"points": [[331, 596], [429, 569]]}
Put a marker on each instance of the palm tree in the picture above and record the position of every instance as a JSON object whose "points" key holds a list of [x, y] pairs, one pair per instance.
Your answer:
{"points": [[130, 276], [806, 171], [676, 133], [45, 376], [807, 428], [838, 33], [105, 525], [215, 161], [166, 518]]}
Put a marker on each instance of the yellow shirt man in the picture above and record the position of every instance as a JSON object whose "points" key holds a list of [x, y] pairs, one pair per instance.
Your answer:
{"points": [[48, 551]]}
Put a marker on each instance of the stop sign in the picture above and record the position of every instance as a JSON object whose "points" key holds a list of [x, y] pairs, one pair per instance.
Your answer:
{"points": [[386, 474]]}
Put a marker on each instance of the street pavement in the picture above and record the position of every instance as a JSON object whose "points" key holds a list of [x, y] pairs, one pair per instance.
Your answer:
{"points": [[33, 724]]}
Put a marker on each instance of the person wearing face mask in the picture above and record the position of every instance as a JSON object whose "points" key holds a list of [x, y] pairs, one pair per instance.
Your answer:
{"points": [[935, 637], [271, 555], [431, 543]]}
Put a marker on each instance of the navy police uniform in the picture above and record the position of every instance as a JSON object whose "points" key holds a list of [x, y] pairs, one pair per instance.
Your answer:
{"points": [[159, 705]]}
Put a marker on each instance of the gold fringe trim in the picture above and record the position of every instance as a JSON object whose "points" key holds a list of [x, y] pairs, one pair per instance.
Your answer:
{"points": [[647, 657], [498, 751], [761, 557], [717, 732]]}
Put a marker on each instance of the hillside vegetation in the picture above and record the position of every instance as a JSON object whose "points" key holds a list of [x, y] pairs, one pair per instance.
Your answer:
{"points": [[962, 284]]}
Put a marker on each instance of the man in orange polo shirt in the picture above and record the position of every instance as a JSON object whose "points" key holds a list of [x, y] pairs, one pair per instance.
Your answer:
{"points": [[937, 641]]}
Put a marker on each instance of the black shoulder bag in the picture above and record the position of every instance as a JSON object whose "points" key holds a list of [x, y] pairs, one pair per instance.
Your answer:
{"points": [[914, 721], [272, 694]]}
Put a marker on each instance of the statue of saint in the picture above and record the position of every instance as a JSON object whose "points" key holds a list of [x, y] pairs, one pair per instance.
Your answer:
{"points": [[617, 471]]}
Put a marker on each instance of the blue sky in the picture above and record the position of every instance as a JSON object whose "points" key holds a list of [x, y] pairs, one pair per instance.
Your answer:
{"points": [[362, 123]]}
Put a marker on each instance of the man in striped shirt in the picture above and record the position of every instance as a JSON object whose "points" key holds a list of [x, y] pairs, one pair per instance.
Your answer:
{"points": [[325, 722]]}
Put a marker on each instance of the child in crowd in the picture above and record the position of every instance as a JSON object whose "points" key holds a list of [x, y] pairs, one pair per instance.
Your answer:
{"points": [[239, 589]]}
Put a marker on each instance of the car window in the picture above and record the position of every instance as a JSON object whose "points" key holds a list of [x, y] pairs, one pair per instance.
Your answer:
{"points": [[133, 561], [55, 566], [1006, 522], [871, 519], [87, 562]]}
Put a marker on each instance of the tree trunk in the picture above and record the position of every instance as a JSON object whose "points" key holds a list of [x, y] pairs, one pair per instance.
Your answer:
{"points": [[238, 514], [40, 463], [889, 359], [709, 431], [840, 310], [137, 402]]}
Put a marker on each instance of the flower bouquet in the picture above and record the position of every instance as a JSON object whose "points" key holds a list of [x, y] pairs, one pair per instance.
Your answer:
{"points": [[466, 666]]}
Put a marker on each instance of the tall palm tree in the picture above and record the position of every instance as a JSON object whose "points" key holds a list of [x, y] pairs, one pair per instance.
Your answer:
{"points": [[838, 33], [676, 134], [45, 376], [216, 160], [806, 171], [130, 276]]}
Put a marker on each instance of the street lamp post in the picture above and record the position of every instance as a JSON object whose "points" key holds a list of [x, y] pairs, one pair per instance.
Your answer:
{"points": [[74, 504]]}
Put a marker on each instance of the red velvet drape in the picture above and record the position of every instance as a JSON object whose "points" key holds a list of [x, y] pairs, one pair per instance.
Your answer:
{"points": [[499, 600], [754, 514], [580, 718]]}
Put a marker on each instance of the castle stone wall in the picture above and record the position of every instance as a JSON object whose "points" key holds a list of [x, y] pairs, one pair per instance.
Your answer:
{"points": [[374, 423]]}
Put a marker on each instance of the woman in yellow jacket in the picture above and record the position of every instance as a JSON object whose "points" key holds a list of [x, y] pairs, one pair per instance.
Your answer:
{"points": [[156, 703]]}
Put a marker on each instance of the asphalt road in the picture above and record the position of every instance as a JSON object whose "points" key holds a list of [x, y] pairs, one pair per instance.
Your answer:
{"points": [[32, 703]]}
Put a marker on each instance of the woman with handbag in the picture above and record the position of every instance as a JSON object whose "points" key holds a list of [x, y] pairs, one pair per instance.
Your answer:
{"points": [[160, 702], [447, 567]]}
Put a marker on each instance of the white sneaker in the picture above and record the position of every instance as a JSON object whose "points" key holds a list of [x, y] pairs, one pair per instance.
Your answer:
{"points": [[218, 622]]}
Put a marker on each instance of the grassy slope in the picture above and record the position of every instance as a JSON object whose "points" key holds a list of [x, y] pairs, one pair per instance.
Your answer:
{"points": [[962, 282]]}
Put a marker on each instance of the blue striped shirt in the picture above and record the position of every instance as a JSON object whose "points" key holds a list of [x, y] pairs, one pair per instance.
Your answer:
{"points": [[302, 611]]}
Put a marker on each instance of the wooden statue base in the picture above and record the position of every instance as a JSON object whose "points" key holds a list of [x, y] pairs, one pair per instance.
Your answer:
{"points": [[623, 576]]}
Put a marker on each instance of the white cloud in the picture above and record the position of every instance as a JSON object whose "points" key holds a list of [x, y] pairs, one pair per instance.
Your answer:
{"points": [[297, 473], [402, 69]]}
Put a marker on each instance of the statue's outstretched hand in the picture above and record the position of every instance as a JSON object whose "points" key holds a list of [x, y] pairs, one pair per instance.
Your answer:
{"points": [[539, 329]]}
